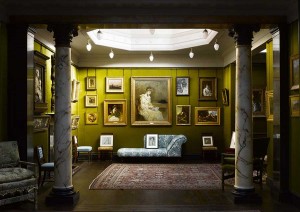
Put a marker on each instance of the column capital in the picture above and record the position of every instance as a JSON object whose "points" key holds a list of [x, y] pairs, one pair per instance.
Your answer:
{"points": [[243, 33], [63, 33]]}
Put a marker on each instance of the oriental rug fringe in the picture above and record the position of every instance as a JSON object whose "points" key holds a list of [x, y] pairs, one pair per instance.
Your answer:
{"points": [[159, 176]]}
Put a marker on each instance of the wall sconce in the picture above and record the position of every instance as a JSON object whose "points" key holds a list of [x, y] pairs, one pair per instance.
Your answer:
{"points": [[111, 54], [216, 45], [191, 54], [205, 33], [99, 35], [151, 57], [88, 46]]}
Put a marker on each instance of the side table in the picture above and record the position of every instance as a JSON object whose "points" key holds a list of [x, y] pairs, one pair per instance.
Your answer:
{"points": [[108, 149], [206, 149]]}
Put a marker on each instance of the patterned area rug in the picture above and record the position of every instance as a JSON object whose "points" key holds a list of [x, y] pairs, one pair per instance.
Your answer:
{"points": [[159, 176]]}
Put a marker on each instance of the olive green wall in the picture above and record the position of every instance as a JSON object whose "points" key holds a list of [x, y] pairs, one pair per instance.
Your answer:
{"points": [[132, 136], [3, 82], [294, 121]]}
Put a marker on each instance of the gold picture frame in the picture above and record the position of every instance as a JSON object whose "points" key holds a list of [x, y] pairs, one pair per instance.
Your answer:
{"points": [[208, 89], [294, 72], [115, 112], [91, 100], [91, 118], [91, 83], [114, 85], [183, 115], [294, 106], [151, 101], [269, 105], [41, 123], [207, 115]]}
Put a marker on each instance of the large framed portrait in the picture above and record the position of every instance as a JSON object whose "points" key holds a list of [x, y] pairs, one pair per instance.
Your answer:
{"points": [[294, 105], [208, 88], [183, 114], [258, 106], [269, 105], [207, 115], [114, 85], [115, 112], [91, 118], [91, 100], [294, 72], [182, 86], [90, 83], [151, 102]]}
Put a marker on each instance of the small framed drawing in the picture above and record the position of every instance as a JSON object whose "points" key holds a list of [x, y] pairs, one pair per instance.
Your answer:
{"points": [[183, 114], [269, 105], [115, 112], [207, 115], [294, 72], [41, 123], [152, 141], [182, 86], [258, 103], [106, 140], [114, 85], [91, 83], [208, 88], [75, 122], [225, 96], [207, 141], [91, 100], [91, 118], [294, 106]]}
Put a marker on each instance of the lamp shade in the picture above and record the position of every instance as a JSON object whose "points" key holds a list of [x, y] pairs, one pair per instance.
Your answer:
{"points": [[191, 54], [111, 54], [151, 57], [216, 46]]}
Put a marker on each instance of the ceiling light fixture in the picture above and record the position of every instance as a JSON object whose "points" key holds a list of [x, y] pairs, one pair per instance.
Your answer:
{"points": [[151, 57], [205, 33], [99, 35], [88, 46], [216, 45], [191, 54], [111, 54]]}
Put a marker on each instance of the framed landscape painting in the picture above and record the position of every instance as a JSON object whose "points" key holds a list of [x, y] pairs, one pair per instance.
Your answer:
{"points": [[183, 114], [208, 88], [114, 85], [115, 112], [151, 102], [207, 116]]}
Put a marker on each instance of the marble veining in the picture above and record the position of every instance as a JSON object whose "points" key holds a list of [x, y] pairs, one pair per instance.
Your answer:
{"points": [[243, 119], [62, 135]]}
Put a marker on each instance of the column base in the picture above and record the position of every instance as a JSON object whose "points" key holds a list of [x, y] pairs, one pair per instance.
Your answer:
{"points": [[62, 197], [243, 196]]}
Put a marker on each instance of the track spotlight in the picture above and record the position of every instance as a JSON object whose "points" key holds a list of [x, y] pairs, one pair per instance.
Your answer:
{"points": [[111, 54], [88, 46], [191, 54], [151, 57], [205, 33], [99, 35], [216, 45]]}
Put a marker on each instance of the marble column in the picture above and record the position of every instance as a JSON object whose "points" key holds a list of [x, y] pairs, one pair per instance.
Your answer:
{"points": [[63, 191], [243, 112]]}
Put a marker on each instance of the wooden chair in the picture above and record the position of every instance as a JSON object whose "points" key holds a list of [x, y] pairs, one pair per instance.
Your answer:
{"points": [[260, 148], [81, 149], [208, 145], [46, 167]]}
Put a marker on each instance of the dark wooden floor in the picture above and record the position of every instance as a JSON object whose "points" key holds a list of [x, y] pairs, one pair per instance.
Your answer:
{"points": [[148, 200]]}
